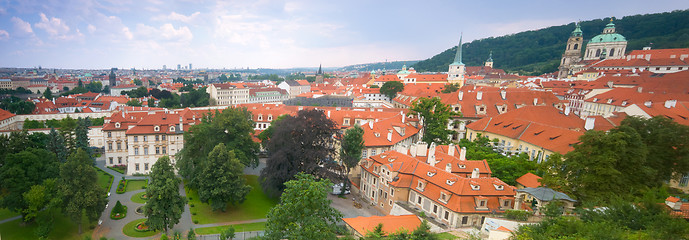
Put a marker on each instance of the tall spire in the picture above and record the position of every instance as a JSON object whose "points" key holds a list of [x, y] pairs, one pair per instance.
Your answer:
{"points": [[458, 55], [490, 56], [320, 70]]}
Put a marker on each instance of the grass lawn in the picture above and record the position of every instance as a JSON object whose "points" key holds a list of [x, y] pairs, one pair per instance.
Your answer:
{"points": [[6, 213], [104, 180], [256, 206], [445, 235], [137, 198], [63, 228], [117, 169], [133, 185], [247, 227], [129, 229]]}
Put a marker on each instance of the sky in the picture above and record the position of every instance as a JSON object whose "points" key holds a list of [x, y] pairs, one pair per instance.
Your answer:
{"points": [[147, 34]]}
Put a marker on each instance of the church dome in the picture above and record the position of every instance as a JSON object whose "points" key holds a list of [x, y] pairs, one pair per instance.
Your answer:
{"points": [[608, 37]]}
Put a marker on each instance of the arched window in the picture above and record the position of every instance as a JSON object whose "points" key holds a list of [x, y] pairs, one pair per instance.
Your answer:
{"points": [[576, 45], [598, 53], [612, 52]]}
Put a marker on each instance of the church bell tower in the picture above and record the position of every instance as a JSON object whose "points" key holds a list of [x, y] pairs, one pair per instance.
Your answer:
{"points": [[572, 52], [455, 73]]}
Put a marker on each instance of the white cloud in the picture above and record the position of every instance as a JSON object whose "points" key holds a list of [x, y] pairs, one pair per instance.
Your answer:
{"points": [[56, 28], [21, 25], [173, 16], [166, 32], [91, 28], [291, 7], [4, 35], [127, 34]]}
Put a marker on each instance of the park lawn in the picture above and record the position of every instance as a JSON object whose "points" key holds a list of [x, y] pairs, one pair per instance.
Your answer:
{"points": [[246, 227], [256, 206], [445, 235], [104, 180], [63, 229], [137, 198], [133, 185], [129, 230], [6, 213]]}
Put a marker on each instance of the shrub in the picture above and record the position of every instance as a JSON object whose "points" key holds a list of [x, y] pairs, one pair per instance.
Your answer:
{"points": [[193, 213], [164, 237], [196, 221], [191, 205], [121, 187], [518, 215], [119, 211]]}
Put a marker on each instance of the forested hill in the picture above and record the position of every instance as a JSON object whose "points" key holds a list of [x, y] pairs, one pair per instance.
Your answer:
{"points": [[539, 51], [378, 65]]}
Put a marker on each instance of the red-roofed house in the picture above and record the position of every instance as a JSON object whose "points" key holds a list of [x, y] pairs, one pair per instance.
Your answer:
{"points": [[223, 94], [359, 226], [6, 120], [392, 181], [528, 180]]}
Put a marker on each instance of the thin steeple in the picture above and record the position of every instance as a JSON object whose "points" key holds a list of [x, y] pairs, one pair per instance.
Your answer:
{"points": [[320, 70], [490, 56], [458, 55]]}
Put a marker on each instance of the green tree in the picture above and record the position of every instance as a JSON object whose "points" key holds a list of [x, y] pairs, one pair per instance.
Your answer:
{"points": [[191, 235], [17, 106], [32, 124], [151, 102], [266, 134], [134, 103], [668, 146], [602, 166], [302, 143], [56, 144], [506, 168], [20, 171], [391, 88], [232, 126], [79, 187], [222, 179], [350, 151], [106, 89], [138, 82], [377, 233], [81, 139], [304, 211], [423, 231], [165, 205], [47, 93], [449, 88], [227, 234], [435, 116], [94, 86]]}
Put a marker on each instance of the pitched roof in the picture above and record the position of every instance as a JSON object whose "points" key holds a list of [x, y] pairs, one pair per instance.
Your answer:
{"points": [[391, 223], [529, 180], [546, 194], [4, 114]]}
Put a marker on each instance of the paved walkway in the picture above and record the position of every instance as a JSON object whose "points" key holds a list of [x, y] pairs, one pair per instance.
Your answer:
{"points": [[10, 219]]}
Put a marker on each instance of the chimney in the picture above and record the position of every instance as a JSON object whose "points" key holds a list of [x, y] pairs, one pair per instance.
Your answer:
{"points": [[431, 155], [567, 110], [403, 117], [448, 167], [639, 89], [421, 149], [460, 95], [180, 124], [479, 95], [474, 173], [503, 94], [611, 84], [390, 135], [647, 103], [670, 103], [370, 125], [451, 150], [412, 150], [328, 113], [590, 123], [463, 154], [535, 101]]}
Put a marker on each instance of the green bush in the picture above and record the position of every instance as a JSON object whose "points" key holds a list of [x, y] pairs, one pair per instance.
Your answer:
{"points": [[119, 211], [519, 215], [121, 187]]}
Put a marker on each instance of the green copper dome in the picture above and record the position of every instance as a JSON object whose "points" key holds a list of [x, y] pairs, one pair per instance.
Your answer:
{"points": [[577, 31], [608, 37]]}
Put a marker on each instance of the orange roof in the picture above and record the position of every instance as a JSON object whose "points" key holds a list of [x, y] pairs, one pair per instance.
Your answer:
{"points": [[672, 199], [504, 229], [529, 180], [5, 114], [493, 102], [440, 77], [391, 224]]}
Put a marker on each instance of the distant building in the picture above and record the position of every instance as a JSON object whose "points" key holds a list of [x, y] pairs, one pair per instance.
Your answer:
{"points": [[607, 45], [223, 94], [456, 71]]}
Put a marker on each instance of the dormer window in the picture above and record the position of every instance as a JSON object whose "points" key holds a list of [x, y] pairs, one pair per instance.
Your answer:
{"points": [[270, 117], [345, 122], [117, 125], [475, 187], [172, 128], [462, 166], [156, 128], [595, 99], [450, 182], [420, 186], [444, 197], [609, 101], [499, 187], [431, 173], [260, 117]]}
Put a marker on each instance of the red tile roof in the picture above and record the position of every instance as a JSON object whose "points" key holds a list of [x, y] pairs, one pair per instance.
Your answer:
{"points": [[529, 180], [4, 114], [391, 224]]}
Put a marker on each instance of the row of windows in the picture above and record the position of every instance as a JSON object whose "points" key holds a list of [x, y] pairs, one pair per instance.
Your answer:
{"points": [[145, 150], [119, 160], [145, 138]]}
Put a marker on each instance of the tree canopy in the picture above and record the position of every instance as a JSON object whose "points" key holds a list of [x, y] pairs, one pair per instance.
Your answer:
{"points": [[351, 148], [20, 171], [436, 117], [304, 211], [301, 143], [391, 88], [81, 193], [222, 179], [506, 168], [165, 205], [17, 106], [232, 127]]}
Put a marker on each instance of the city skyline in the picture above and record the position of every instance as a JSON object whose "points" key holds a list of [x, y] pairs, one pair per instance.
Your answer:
{"points": [[268, 34]]}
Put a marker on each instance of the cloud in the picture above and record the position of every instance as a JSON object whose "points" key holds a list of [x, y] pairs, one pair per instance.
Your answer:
{"points": [[4, 35], [173, 16], [56, 28], [91, 28], [127, 34], [21, 25], [166, 32]]}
